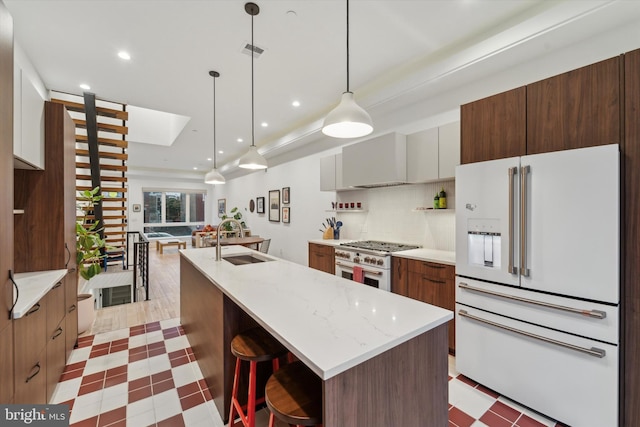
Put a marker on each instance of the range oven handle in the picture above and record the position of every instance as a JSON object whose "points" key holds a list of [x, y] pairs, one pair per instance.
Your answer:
{"points": [[593, 351], [597, 314], [376, 273]]}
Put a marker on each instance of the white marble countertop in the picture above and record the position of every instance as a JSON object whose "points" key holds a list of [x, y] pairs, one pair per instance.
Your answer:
{"points": [[32, 287], [330, 323], [330, 242], [433, 255]]}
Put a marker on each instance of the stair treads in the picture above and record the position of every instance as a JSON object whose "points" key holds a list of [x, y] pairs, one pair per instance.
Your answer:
{"points": [[122, 130], [100, 111]]}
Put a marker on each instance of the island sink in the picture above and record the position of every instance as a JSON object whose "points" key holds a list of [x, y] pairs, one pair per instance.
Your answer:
{"points": [[244, 259]]}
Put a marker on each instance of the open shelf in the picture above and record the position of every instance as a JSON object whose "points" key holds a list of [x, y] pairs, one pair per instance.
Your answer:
{"points": [[346, 210], [18, 211], [429, 209]]}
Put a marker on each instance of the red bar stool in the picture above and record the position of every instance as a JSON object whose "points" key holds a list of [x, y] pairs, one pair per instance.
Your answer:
{"points": [[294, 395], [253, 346]]}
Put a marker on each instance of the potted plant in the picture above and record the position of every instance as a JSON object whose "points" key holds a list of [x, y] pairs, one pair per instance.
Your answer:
{"points": [[235, 214], [89, 244]]}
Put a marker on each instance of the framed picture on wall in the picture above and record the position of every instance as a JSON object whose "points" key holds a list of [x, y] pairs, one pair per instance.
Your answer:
{"points": [[285, 196], [286, 218], [274, 205], [222, 207], [260, 205]]}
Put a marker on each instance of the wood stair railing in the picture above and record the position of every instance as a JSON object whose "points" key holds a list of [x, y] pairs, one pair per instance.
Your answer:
{"points": [[111, 120]]}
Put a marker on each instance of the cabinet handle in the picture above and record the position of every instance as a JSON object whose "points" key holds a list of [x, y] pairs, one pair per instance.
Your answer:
{"points": [[430, 265], [30, 377], [68, 255], [33, 309], [512, 268], [57, 285], [596, 314], [593, 351], [524, 271], [72, 309], [59, 332], [433, 281]]}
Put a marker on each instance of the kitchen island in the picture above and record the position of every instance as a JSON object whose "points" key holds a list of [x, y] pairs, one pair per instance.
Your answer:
{"points": [[382, 357]]}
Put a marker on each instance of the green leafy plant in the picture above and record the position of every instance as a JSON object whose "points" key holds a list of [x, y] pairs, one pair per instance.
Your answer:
{"points": [[89, 245], [237, 215]]}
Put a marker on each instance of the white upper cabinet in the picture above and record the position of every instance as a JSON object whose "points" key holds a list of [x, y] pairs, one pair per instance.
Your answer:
{"points": [[422, 156], [331, 173], [328, 173], [433, 154], [448, 150], [28, 116]]}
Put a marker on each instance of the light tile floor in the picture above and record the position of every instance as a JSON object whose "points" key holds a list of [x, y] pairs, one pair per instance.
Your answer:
{"points": [[147, 375]]}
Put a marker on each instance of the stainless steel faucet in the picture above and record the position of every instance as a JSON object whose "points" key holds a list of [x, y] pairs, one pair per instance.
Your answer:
{"points": [[218, 232]]}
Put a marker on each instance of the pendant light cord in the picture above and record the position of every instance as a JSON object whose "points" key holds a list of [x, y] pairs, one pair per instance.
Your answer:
{"points": [[348, 46], [214, 122], [253, 51]]}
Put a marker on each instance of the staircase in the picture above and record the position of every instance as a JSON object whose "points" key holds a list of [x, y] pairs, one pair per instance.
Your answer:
{"points": [[112, 145]]}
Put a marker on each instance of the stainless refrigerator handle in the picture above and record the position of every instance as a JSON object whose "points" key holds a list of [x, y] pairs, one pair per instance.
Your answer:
{"points": [[524, 271], [512, 268], [593, 351], [597, 314]]}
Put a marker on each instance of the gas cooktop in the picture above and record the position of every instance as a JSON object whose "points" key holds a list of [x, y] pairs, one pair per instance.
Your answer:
{"points": [[374, 245]]}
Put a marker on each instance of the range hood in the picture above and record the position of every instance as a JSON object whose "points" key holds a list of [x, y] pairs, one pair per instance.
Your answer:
{"points": [[376, 162]]}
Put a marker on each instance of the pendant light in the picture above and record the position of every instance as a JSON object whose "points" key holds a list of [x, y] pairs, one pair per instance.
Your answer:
{"points": [[252, 159], [348, 119], [213, 176]]}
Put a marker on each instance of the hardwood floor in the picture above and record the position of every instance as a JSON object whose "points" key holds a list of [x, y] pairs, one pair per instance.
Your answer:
{"points": [[164, 297]]}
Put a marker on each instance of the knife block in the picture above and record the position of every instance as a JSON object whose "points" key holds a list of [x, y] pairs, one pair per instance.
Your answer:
{"points": [[328, 234]]}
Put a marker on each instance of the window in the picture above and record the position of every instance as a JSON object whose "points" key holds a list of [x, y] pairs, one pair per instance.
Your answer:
{"points": [[173, 211]]}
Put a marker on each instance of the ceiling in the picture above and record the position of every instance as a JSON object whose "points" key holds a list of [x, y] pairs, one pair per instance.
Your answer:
{"points": [[401, 52]]}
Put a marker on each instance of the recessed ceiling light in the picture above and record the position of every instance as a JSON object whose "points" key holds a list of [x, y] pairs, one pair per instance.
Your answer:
{"points": [[195, 168], [85, 86], [240, 140], [209, 159], [264, 124], [296, 103], [124, 55], [220, 152]]}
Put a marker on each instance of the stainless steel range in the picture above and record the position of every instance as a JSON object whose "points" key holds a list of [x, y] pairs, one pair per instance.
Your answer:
{"points": [[373, 257]]}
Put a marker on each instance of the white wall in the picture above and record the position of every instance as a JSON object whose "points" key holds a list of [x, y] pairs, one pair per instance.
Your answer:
{"points": [[391, 215]]}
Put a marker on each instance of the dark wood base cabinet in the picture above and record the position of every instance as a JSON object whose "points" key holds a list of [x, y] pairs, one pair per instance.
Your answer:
{"points": [[6, 364], [428, 282], [322, 257], [30, 354]]}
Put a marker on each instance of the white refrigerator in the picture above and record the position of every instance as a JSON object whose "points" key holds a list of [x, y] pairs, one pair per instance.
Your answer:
{"points": [[537, 286]]}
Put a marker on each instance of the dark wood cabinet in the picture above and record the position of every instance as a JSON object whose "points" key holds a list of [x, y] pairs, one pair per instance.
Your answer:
{"points": [[322, 257], [428, 282], [494, 127], [45, 236], [630, 235], [6, 364], [580, 108], [71, 315], [30, 341], [6, 204]]}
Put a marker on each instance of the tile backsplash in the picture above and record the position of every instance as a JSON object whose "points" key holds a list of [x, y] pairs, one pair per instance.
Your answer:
{"points": [[392, 214]]}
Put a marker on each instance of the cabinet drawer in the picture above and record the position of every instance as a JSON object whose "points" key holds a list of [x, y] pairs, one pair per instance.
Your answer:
{"points": [[432, 270], [55, 300], [321, 249], [56, 357], [31, 377]]}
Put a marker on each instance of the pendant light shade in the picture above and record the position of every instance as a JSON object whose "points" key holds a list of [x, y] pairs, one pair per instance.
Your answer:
{"points": [[213, 176], [348, 119], [252, 159]]}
